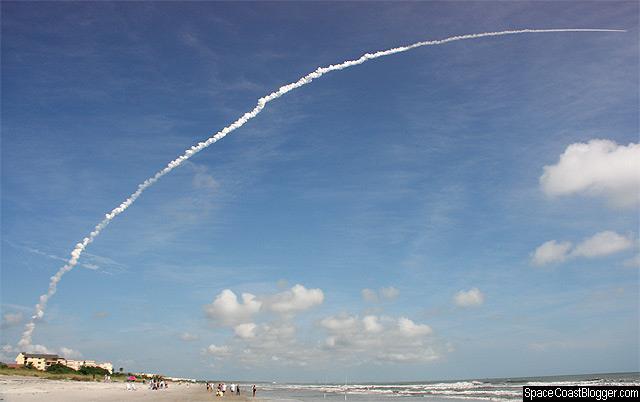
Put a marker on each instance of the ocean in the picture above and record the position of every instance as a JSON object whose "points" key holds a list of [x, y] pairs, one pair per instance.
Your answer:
{"points": [[495, 389]]}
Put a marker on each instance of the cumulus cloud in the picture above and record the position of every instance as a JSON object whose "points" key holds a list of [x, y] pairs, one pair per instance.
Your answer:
{"points": [[188, 337], [63, 351], [411, 329], [372, 324], [37, 349], [551, 252], [380, 338], [469, 298], [246, 331], [599, 168], [229, 311], [340, 323], [296, 299], [264, 344], [386, 293], [348, 338], [602, 244], [217, 351], [599, 245], [9, 352], [69, 353]]}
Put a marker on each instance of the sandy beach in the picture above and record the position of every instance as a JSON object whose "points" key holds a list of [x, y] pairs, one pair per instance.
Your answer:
{"points": [[22, 389]]}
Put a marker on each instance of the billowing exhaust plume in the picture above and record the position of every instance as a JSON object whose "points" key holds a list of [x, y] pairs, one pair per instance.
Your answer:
{"points": [[25, 341]]}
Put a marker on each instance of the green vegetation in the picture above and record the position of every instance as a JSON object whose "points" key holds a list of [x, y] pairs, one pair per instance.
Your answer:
{"points": [[94, 371], [31, 372], [73, 375], [61, 369]]}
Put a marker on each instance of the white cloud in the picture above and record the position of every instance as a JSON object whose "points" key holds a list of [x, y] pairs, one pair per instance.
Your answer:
{"points": [[598, 168], [341, 323], [8, 352], [411, 329], [470, 298], [226, 308], [273, 339], [188, 337], [602, 244], [380, 339], [372, 324], [38, 349], [387, 293], [599, 245], [217, 351], [69, 353], [551, 252], [298, 298], [228, 311], [347, 338], [245, 331]]}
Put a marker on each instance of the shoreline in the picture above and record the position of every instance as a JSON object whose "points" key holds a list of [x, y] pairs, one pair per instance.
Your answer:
{"points": [[26, 389]]}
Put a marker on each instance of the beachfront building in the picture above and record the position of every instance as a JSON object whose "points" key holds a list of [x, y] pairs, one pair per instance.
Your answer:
{"points": [[39, 361], [107, 366], [42, 361], [180, 379], [77, 364], [147, 375]]}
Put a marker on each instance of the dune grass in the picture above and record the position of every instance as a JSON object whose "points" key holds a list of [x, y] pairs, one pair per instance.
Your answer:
{"points": [[55, 376]]}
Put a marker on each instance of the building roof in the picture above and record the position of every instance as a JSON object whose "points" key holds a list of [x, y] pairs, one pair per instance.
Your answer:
{"points": [[39, 355], [13, 365]]}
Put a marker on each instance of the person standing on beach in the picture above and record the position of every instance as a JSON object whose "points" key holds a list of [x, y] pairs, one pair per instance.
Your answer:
{"points": [[254, 390], [237, 389]]}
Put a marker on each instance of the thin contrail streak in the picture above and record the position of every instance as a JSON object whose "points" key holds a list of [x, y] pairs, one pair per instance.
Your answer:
{"points": [[25, 341]]}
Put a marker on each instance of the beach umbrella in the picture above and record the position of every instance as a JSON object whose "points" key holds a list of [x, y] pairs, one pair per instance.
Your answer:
{"points": [[132, 378]]}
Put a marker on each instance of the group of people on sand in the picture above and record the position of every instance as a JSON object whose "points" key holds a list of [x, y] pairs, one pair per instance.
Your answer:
{"points": [[221, 389], [155, 384]]}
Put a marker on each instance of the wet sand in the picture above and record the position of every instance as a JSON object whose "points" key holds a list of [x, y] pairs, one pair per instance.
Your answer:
{"points": [[23, 389]]}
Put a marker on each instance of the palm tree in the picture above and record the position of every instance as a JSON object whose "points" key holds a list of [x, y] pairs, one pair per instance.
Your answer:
{"points": [[121, 370]]}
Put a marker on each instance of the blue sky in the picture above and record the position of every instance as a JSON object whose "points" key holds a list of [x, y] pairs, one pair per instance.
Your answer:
{"points": [[417, 177]]}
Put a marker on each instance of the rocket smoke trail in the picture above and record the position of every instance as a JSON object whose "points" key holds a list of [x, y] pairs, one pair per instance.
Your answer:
{"points": [[25, 341]]}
